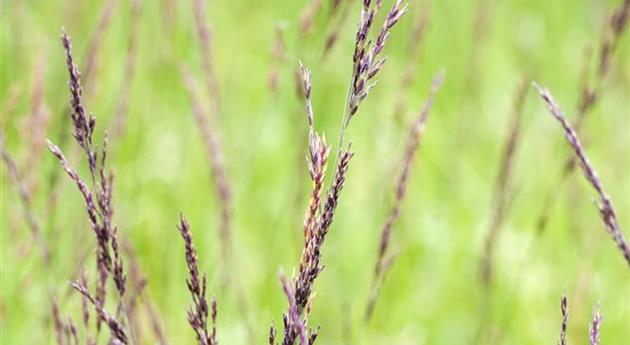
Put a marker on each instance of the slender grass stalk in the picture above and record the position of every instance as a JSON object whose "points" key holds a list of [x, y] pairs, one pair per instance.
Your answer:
{"points": [[38, 123], [590, 94], [606, 209], [204, 34], [215, 158], [333, 33], [139, 280], [96, 42], [155, 323], [122, 108], [385, 259], [10, 102], [59, 325], [85, 308], [168, 12], [416, 38], [334, 6], [84, 301], [503, 192], [308, 14], [72, 333], [26, 200], [278, 58]]}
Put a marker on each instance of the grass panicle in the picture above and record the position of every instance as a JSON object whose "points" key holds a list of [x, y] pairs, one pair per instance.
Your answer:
{"points": [[595, 326], [564, 309], [198, 311], [317, 161], [292, 317], [114, 297], [366, 60], [317, 220], [90, 61], [58, 323], [606, 209], [272, 334], [97, 194], [366, 64], [115, 326], [590, 94]]}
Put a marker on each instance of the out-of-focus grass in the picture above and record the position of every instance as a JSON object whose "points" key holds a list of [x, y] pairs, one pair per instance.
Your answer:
{"points": [[433, 293]]}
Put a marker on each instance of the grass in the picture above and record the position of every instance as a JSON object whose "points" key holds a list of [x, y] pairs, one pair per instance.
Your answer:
{"points": [[432, 293]]}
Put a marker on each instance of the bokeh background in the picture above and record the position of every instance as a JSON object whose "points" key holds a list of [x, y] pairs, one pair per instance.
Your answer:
{"points": [[433, 294]]}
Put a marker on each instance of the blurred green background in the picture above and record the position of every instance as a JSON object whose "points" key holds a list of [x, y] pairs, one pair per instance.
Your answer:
{"points": [[433, 293]]}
